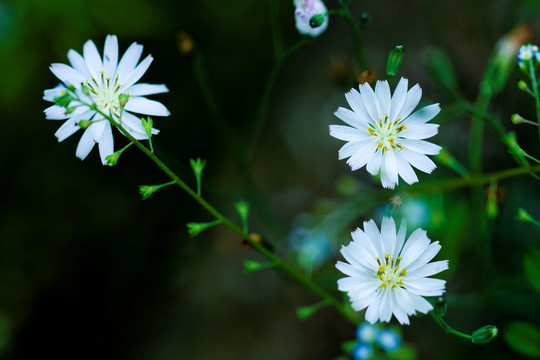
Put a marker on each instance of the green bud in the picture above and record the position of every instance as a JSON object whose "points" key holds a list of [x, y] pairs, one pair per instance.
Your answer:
{"points": [[147, 125], [123, 99], [198, 167], [305, 312], [517, 119], [112, 159], [69, 110], [85, 89], [522, 85], [365, 19], [64, 100], [484, 335], [71, 88], [84, 124], [147, 190], [511, 142], [195, 229], [242, 208], [440, 307], [317, 20], [523, 215], [252, 265], [395, 58]]}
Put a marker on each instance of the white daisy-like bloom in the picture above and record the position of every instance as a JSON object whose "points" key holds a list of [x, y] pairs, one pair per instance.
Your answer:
{"points": [[388, 275], [385, 134], [526, 52], [105, 80], [305, 9]]}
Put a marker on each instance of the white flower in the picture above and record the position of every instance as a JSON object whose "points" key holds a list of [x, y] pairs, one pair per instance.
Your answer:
{"points": [[384, 135], [106, 79], [305, 9], [389, 276], [526, 52]]}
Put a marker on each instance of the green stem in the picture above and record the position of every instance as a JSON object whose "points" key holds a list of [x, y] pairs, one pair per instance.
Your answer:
{"points": [[267, 92], [534, 84], [449, 329], [270, 255], [361, 60]]}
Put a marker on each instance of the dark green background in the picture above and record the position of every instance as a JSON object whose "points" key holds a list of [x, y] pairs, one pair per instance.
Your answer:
{"points": [[89, 271]]}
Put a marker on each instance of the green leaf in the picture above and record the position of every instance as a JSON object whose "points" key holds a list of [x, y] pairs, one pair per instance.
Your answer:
{"points": [[531, 263], [523, 338]]}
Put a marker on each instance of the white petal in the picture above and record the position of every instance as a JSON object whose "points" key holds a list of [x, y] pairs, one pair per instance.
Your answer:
{"points": [[388, 234], [67, 74], [350, 117], [420, 303], [85, 145], [370, 101], [133, 76], [146, 89], [346, 133], [420, 146], [382, 91], [364, 244], [374, 164], [93, 60], [355, 101], [145, 106], [106, 143], [423, 115], [348, 149], [426, 256], [129, 60], [398, 99], [389, 166], [372, 232], [110, 57], [361, 303], [373, 311], [400, 238], [67, 129], [419, 161], [414, 247], [56, 112], [422, 131], [362, 155], [426, 287], [399, 312], [97, 127], [428, 269], [133, 124], [77, 61], [404, 169], [411, 101]]}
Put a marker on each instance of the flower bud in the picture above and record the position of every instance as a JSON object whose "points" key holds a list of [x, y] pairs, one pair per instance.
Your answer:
{"points": [[123, 99], [317, 20], [84, 124], [522, 85], [147, 190], [395, 58], [517, 119], [484, 335], [147, 125], [195, 229], [85, 89], [112, 159], [523, 215]]}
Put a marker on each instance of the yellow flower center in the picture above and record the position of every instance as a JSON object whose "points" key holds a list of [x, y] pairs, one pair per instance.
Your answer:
{"points": [[389, 273], [386, 132]]}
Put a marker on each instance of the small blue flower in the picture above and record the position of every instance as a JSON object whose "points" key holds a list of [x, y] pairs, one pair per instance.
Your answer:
{"points": [[363, 351], [366, 332], [388, 340], [526, 52]]}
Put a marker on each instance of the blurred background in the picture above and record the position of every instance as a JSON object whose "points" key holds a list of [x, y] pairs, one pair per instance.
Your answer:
{"points": [[88, 270]]}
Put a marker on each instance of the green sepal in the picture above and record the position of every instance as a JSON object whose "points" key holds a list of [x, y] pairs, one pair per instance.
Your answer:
{"points": [[195, 228], [305, 312], [252, 265], [395, 58], [242, 207]]}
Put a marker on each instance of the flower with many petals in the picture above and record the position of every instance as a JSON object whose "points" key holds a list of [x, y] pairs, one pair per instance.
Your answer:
{"points": [[389, 276], [100, 82], [303, 14], [385, 134]]}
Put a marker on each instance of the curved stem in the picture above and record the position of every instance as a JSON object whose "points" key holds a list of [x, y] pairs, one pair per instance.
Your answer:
{"points": [[361, 60], [257, 245]]}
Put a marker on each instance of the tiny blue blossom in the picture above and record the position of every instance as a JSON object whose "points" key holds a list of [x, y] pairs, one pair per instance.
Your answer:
{"points": [[366, 332], [363, 351], [388, 340], [527, 52]]}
